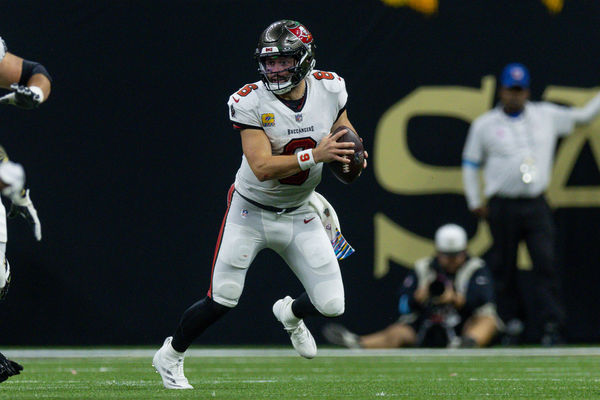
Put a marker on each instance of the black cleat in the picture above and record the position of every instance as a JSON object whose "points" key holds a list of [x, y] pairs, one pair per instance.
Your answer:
{"points": [[8, 368]]}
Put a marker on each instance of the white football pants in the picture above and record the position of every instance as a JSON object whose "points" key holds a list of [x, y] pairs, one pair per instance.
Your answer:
{"points": [[4, 273], [298, 237]]}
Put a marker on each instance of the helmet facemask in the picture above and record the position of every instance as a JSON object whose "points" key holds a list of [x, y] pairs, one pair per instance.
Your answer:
{"points": [[285, 39]]}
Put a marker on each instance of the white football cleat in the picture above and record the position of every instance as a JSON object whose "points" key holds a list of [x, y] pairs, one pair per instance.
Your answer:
{"points": [[303, 341], [170, 367]]}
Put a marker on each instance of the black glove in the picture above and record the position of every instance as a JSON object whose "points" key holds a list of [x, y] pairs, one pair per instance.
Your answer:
{"points": [[8, 368], [22, 97]]}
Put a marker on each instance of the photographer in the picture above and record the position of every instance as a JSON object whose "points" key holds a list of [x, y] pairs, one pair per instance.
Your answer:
{"points": [[447, 300]]}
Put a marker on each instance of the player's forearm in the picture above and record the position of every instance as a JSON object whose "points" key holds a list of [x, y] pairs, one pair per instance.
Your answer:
{"points": [[275, 167]]}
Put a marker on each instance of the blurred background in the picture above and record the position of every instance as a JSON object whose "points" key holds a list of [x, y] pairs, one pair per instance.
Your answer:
{"points": [[130, 160]]}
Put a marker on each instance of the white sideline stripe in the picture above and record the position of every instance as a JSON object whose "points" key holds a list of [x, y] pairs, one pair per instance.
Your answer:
{"points": [[240, 352]]}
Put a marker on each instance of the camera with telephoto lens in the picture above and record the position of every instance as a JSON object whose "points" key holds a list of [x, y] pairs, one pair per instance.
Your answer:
{"points": [[437, 327], [438, 286]]}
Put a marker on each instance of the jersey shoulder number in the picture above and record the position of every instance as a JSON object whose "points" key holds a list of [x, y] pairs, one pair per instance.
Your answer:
{"points": [[330, 81], [243, 105]]}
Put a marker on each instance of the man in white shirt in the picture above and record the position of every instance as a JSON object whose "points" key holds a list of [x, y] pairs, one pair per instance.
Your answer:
{"points": [[285, 121], [515, 144]]}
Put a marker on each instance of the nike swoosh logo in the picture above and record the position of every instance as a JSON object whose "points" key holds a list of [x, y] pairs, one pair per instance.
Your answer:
{"points": [[236, 100], [306, 221]]}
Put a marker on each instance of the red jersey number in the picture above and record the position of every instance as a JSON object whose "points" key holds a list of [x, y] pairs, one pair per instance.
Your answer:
{"points": [[245, 91], [323, 75], [290, 148]]}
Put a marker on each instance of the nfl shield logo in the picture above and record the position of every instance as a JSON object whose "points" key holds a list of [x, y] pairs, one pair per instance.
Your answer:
{"points": [[298, 117], [244, 213]]}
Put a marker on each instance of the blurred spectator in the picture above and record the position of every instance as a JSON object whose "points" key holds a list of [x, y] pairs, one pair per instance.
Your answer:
{"points": [[515, 144], [447, 300]]}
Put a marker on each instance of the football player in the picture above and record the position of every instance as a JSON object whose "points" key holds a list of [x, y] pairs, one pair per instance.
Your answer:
{"points": [[285, 121], [29, 84]]}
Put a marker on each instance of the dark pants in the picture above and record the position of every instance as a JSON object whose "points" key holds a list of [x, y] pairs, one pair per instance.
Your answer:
{"points": [[513, 220]]}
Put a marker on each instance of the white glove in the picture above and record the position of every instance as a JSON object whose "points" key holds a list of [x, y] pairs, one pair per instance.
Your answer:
{"points": [[23, 206], [26, 97], [13, 176]]}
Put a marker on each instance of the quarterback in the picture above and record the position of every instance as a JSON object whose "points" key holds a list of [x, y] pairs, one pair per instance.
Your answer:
{"points": [[29, 83], [285, 121]]}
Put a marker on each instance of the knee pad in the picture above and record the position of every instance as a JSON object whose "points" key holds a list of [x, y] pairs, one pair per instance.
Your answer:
{"points": [[333, 308], [328, 297], [226, 291]]}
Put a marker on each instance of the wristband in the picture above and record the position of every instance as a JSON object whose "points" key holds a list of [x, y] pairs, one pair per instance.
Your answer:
{"points": [[38, 91], [306, 159]]}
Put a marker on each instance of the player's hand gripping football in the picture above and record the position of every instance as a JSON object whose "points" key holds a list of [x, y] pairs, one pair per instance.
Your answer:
{"points": [[331, 150], [23, 206], [22, 97], [366, 155]]}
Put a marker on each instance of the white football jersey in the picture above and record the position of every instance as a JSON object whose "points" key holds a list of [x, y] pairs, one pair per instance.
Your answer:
{"points": [[289, 132], [3, 235], [2, 49]]}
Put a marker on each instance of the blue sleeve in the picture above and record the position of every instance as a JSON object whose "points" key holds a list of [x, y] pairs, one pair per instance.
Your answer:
{"points": [[480, 290], [407, 303]]}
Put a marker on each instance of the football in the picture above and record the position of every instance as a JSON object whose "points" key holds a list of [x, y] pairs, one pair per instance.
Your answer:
{"points": [[347, 173]]}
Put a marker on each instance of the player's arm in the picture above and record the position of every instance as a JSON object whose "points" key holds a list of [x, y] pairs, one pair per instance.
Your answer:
{"points": [[266, 166], [12, 179], [344, 121], [29, 81]]}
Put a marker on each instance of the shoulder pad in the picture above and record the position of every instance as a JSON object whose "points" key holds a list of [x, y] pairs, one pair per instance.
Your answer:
{"points": [[246, 97], [243, 105], [330, 80]]}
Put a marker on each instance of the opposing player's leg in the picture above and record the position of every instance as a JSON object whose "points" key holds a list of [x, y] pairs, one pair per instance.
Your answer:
{"points": [[311, 257], [4, 271], [237, 246]]}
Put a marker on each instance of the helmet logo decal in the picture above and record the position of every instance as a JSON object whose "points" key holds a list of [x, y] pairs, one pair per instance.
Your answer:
{"points": [[301, 33], [267, 50]]}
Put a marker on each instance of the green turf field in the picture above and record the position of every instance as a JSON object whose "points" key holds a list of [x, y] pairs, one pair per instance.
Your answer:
{"points": [[528, 374]]}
